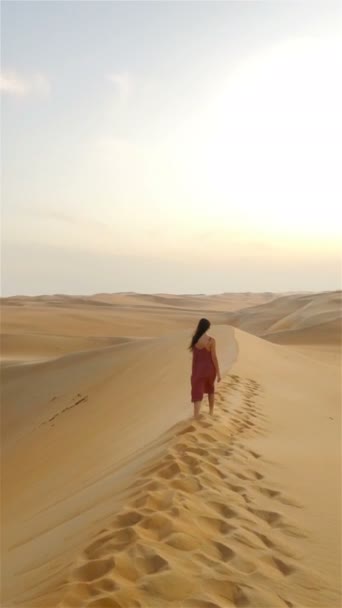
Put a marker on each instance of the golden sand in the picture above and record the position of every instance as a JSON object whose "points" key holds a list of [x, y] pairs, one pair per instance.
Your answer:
{"points": [[114, 497]]}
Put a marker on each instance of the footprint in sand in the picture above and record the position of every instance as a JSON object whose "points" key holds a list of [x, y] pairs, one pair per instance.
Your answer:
{"points": [[188, 429], [170, 471], [200, 603], [157, 526], [124, 537], [168, 586], [265, 540], [129, 518], [202, 498], [93, 569], [216, 525], [106, 602], [187, 484], [270, 517], [107, 585], [285, 569], [222, 509], [181, 541]]}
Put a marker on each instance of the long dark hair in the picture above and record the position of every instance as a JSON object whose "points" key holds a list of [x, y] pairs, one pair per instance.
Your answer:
{"points": [[202, 327]]}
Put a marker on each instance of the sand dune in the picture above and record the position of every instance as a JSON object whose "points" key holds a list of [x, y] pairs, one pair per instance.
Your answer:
{"points": [[328, 332], [37, 328], [295, 319], [104, 407], [226, 301], [310, 323], [113, 497], [225, 517], [26, 348]]}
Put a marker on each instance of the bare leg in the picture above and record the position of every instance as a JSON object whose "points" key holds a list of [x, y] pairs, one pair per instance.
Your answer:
{"points": [[197, 407], [211, 399]]}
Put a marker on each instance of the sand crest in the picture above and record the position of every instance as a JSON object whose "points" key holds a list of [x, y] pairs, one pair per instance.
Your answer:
{"points": [[112, 496]]}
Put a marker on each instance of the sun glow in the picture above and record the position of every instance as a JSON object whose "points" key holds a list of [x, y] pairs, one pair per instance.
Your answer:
{"points": [[264, 151]]}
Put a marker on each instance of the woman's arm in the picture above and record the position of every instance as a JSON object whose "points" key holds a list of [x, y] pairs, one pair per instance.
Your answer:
{"points": [[214, 358]]}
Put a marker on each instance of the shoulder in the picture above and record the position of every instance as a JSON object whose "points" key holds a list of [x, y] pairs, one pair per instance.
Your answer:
{"points": [[212, 342]]}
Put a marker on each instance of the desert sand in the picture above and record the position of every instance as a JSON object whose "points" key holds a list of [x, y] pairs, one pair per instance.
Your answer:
{"points": [[113, 497]]}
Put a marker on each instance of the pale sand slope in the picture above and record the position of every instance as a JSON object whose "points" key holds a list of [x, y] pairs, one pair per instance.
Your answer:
{"points": [[295, 319], [57, 498], [242, 510], [310, 323], [38, 328], [74, 430], [31, 347]]}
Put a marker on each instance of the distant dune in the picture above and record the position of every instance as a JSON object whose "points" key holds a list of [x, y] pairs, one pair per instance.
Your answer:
{"points": [[50, 326], [113, 497], [295, 319]]}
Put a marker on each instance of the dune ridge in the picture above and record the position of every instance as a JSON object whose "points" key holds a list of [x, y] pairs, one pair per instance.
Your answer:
{"points": [[296, 318], [204, 527], [112, 497], [43, 327], [74, 429]]}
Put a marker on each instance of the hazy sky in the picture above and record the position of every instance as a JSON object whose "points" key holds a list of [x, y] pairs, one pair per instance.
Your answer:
{"points": [[171, 146]]}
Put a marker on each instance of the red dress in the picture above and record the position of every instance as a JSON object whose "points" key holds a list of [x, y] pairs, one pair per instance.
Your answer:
{"points": [[203, 374]]}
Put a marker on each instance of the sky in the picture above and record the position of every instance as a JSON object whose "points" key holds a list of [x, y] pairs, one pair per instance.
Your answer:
{"points": [[181, 147]]}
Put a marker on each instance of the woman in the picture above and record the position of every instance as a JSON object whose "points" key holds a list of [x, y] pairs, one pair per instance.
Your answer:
{"points": [[205, 367]]}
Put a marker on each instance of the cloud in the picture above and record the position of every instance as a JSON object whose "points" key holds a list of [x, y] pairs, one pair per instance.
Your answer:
{"points": [[12, 83], [77, 220], [123, 83]]}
